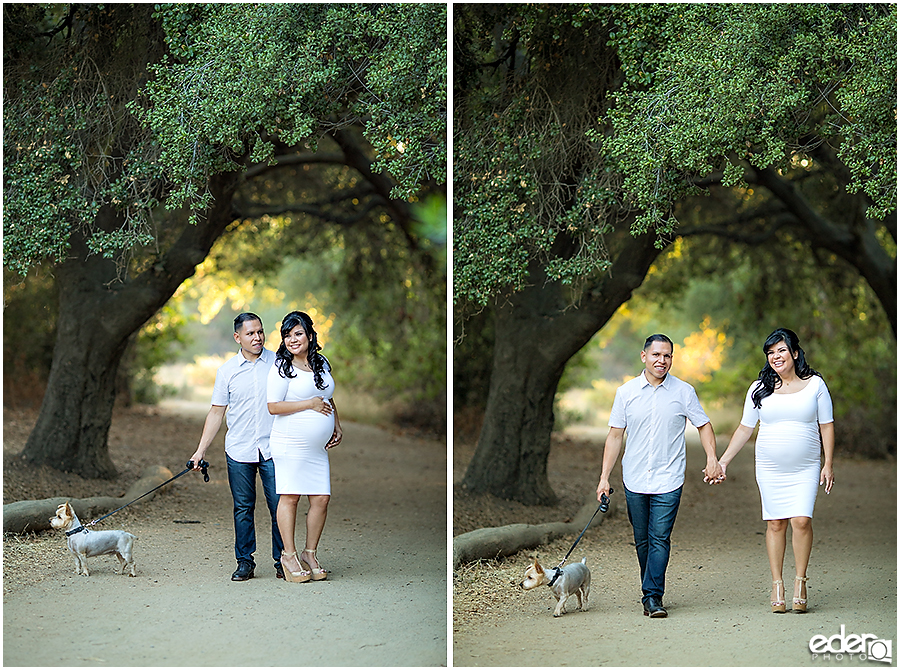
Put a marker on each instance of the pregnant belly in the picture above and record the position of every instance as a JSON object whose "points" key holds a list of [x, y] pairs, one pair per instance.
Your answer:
{"points": [[308, 428], [787, 447]]}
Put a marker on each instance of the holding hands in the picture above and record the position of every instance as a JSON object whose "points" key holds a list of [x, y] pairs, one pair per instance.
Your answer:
{"points": [[714, 475], [714, 472]]}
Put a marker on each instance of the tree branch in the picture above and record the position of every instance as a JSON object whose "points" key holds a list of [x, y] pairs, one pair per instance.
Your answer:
{"points": [[310, 210], [287, 160], [155, 285], [65, 23], [858, 245], [733, 232], [828, 234], [354, 156]]}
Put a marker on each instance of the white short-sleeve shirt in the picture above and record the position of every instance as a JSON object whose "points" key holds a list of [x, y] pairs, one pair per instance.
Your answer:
{"points": [[241, 387], [654, 419]]}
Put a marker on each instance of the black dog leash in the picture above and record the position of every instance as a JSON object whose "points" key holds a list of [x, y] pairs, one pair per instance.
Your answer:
{"points": [[190, 466], [602, 507]]}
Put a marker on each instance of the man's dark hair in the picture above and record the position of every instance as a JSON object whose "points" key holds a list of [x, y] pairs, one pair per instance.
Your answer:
{"points": [[245, 316], [658, 337]]}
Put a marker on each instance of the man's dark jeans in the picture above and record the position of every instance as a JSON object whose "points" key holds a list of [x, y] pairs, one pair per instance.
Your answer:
{"points": [[242, 480], [652, 516]]}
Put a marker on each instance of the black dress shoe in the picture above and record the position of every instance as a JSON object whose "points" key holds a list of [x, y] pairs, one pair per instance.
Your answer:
{"points": [[243, 573], [279, 571], [653, 608]]}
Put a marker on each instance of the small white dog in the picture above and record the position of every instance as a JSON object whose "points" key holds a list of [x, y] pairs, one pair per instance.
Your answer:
{"points": [[563, 582], [86, 543]]}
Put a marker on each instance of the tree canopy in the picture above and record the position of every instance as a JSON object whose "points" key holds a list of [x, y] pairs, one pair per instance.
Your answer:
{"points": [[138, 106], [135, 135], [583, 131], [712, 88], [249, 79], [659, 101]]}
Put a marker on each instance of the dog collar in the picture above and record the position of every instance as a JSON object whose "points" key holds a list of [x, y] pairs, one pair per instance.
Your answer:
{"points": [[80, 529], [555, 576]]}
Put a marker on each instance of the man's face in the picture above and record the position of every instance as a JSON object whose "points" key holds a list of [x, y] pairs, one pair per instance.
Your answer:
{"points": [[657, 359], [251, 337]]}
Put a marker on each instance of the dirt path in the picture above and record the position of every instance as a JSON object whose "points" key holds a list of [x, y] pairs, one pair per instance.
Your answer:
{"points": [[385, 603], [717, 588]]}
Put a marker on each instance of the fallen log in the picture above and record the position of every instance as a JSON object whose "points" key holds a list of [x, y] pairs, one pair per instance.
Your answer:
{"points": [[489, 543], [34, 515]]}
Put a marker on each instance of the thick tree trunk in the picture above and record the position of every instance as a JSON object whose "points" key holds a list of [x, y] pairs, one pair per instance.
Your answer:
{"points": [[97, 314], [535, 337], [529, 359], [75, 415]]}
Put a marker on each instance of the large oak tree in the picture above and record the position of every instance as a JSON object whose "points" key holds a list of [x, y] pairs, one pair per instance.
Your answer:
{"points": [[128, 130], [579, 126]]}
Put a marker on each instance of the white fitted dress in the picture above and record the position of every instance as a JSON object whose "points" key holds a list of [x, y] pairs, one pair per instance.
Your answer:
{"points": [[298, 440], [788, 462]]}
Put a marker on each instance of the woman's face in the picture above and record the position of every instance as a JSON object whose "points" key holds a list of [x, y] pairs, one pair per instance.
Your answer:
{"points": [[296, 341], [780, 358]]}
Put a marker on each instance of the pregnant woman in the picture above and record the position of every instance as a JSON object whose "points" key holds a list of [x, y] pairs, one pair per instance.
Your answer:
{"points": [[306, 425], [793, 407]]}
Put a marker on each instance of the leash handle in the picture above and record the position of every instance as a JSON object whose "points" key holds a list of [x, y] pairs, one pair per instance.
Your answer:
{"points": [[602, 507], [604, 500], [203, 466]]}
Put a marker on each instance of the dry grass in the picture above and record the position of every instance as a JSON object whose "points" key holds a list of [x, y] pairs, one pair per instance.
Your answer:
{"points": [[138, 438], [488, 589], [485, 589]]}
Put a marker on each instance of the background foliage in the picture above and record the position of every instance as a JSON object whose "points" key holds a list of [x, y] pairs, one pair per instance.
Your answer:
{"points": [[705, 90], [578, 120], [335, 114], [241, 81], [701, 92]]}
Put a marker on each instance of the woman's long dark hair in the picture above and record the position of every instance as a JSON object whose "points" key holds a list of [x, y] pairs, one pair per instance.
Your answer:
{"points": [[284, 359], [768, 378]]}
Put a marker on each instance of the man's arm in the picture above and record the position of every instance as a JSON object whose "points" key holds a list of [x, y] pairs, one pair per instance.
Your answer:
{"points": [[611, 451], [210, 430]]}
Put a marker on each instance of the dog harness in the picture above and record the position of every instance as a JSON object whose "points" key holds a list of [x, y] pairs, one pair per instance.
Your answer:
{"points": [[558, 572]]}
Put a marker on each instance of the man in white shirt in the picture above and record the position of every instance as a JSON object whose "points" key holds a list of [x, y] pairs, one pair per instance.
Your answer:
{"points": [[654, 408], [241, 388]]}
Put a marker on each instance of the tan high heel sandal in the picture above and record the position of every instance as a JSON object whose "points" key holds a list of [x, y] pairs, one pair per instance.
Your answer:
{"points": [[319, 573], [290, 575], [800, 603], [778, 605]]}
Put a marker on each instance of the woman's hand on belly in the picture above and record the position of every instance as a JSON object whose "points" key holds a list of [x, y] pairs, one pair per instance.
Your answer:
{"points": [[321, 405], [315, 404], [336, 437]]}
